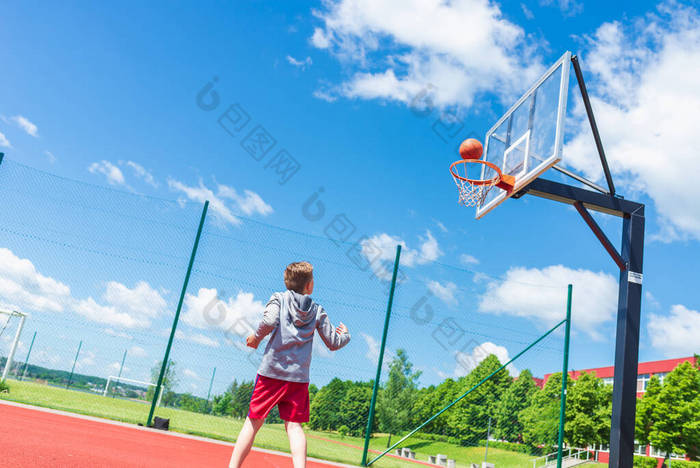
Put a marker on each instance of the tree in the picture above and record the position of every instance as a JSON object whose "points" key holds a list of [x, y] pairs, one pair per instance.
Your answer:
{"points": [[514, 400], [240, 398], [188, 402], [644, 420], [676, 426], [540, 420], [324, 409], [396, 400], [429, 401], [170, 381], [468, 419], [221, 404], [313, 390], [355, 408], [587, 417]]}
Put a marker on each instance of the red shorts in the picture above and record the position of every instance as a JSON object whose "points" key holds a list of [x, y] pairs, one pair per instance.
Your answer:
{"points": [[292, 399]]}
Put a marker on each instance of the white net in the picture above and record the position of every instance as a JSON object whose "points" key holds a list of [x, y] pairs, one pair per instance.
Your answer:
{"points": [[473, 190]]}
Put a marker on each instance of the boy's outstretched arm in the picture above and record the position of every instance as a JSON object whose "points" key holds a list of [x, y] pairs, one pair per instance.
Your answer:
{"points": [[334, 338], [271, 317]]}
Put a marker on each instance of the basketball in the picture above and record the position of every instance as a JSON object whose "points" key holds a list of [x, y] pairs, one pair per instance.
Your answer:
{"points": [[471, 149]]}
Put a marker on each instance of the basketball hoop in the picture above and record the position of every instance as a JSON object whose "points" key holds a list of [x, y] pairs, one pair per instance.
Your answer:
{"points": [[472, 192]]}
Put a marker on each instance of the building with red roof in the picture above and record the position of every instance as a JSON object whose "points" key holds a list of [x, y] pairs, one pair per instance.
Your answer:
{"points": [[644, 372]]}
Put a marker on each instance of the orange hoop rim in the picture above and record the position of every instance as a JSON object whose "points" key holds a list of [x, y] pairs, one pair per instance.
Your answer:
{"points": [[492, 181]]}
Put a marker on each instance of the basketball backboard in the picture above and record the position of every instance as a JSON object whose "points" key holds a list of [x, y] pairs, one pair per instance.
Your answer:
{"points": [[527, 140]]}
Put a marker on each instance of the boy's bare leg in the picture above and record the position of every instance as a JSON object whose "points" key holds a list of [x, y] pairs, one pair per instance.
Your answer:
{"points": [[245, 441], [297, 443]]}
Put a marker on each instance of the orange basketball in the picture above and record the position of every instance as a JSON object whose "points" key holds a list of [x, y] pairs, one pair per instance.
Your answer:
{"points": [[471, 149]]}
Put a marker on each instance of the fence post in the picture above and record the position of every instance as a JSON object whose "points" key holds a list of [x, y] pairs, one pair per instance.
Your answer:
{"points": [[375, 389], [70, 379], [177, 315], [211, 382], [26, 361], [564, 378], [120, 373]]}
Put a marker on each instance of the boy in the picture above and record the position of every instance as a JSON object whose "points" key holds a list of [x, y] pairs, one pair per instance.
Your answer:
{"points": [[283, 376]]}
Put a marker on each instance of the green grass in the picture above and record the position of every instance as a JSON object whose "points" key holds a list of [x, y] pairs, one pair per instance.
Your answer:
{"points": [[271, 436]]}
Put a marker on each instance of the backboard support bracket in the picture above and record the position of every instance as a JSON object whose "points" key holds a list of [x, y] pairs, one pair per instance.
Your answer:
{"points": [[583, 180], [607, 245], [591, 121]]}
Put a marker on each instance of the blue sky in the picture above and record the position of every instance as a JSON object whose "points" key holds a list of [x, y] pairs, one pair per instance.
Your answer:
{"points": [[108, 96]]}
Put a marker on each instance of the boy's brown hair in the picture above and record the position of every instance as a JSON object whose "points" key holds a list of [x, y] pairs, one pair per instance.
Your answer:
{"points": [[297, 275]]}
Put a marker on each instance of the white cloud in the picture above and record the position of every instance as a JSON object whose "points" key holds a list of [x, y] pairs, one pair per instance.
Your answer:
{"points": [[141, 300], [113, 174], [646, 100], [237, 315], [118, 334], [325, 95], [373, 351], [527, 12], [372, 347], [50, 156], [116, 366], [4, 141], [400, 49], [87, 359], [191, 374], [467, 259], [651, 300], [540, 294], [249, 203], [125, 307], [201, 194], [142, 173], [440, 225], [302, 64], [676, 335], [137, 351], [197, 338], [568, 7], [320, 39], [380, 251], [466, 362], [24, 123], [23, 288], [46, 357], [106, 314], [446, 292]]}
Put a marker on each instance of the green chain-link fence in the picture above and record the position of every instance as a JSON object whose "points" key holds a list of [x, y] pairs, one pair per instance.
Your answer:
{"points": [[100, 272]]}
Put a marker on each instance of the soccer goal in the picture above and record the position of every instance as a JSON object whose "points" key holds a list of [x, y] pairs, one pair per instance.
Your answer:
{"points": [[7, 319], [117, 380]]}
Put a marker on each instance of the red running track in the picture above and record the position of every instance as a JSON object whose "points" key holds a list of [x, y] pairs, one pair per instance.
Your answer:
{"points": [[40, 438]]}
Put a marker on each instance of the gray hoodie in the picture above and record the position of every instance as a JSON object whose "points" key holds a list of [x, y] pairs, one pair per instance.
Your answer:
{"points": [[292, 318]]}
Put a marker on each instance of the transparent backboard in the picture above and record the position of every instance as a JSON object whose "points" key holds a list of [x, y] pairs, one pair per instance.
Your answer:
{"points": [[527, 140]]}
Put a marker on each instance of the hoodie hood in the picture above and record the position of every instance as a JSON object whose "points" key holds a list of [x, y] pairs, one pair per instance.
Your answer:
{"points": [[302, 311], [288, 353]]}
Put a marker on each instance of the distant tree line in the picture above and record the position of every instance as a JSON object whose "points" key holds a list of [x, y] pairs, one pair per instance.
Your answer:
{"points": [[519, 412]]}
